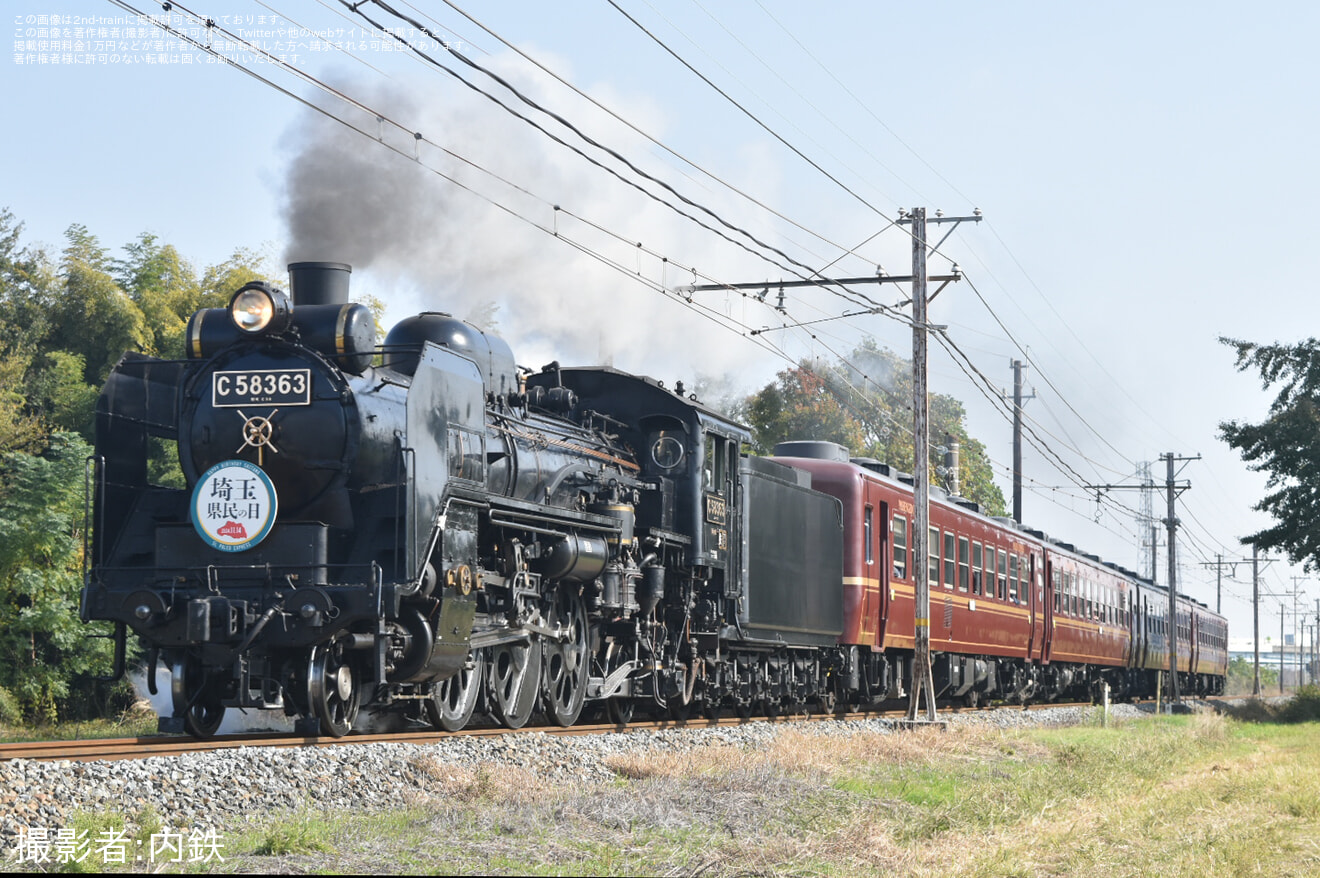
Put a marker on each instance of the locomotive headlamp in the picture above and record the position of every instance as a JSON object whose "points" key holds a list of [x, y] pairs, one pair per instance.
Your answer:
{"points": [[259, 308]]}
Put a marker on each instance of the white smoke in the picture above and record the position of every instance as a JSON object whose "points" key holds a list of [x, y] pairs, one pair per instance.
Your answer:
{"points": [[250, 721], [418, 242], [235, 721]]}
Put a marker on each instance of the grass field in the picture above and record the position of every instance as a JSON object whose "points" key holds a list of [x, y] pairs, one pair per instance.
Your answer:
{"points": [[1197, 796]]}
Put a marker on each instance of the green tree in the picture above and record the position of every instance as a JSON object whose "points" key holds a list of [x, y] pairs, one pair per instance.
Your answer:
{"points": [[220, 282], [93, 316], [25, 284], [47, 660], [863, 402], [1286, 446], [164, 287]]}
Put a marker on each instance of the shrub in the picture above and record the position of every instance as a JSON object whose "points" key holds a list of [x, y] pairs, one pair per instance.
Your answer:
{"points": [[1303, 707], [10, 710]]}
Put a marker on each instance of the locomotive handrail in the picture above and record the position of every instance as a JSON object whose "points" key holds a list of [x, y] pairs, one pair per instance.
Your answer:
{"points": [[587, 521], [408, 461], [199, 569]]}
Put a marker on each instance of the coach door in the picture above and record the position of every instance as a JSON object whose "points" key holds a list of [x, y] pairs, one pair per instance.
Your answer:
{"points": [[1035, 615], [885, 572], [1047, 611]]}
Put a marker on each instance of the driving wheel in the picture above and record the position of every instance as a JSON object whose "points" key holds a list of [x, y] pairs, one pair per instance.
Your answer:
{"points": [[333, 688], [512, 676], [565, 662], [454, 700]]}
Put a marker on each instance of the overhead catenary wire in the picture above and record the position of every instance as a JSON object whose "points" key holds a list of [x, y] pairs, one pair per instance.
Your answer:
{"points": [[521, 96], [693, 304], [655, 141]]}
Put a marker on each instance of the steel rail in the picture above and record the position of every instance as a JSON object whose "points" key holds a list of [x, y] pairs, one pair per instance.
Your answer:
{"points": [[111, 749]]}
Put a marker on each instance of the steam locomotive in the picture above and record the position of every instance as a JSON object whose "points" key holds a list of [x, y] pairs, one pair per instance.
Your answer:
{"points": [[425, 527]]}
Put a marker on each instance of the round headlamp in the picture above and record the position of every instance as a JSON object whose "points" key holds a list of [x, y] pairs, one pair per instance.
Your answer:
{"points": [[259, 308]]}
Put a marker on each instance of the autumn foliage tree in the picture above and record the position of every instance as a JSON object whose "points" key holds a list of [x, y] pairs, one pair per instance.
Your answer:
{"points": [[863, 402]]}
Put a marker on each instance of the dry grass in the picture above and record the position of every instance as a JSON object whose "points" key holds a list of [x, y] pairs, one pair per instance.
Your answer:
{"points": [[1202, 797], [494, 784]]}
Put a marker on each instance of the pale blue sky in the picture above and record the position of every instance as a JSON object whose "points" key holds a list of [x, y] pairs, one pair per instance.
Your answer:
{"points": [[1147, 176]]}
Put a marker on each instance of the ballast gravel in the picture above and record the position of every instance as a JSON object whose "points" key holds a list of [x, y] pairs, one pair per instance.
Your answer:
{"points": [[221, 789]]}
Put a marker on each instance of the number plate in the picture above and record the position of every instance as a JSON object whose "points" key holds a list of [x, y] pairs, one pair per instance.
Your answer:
{"points": [[715, 513], [267, 387]]}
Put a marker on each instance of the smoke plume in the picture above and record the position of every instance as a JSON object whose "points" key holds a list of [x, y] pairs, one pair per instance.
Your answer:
{"points": [[419, 242]]}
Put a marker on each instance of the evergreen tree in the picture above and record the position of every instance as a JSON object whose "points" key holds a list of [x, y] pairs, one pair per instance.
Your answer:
{"points": [[47, 661], [1286, 445]]}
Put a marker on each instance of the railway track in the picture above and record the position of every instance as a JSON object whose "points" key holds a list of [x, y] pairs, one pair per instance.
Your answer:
{"points": [[110, 749]]}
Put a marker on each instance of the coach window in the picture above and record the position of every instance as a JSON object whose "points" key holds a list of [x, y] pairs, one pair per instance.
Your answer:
{"points": [[899, 537], [950, 562], [1003, 575], [868, 533], [933, 558], [989, 571], [1013, 578], [963, 573], [976, 568], [1057, 579]]}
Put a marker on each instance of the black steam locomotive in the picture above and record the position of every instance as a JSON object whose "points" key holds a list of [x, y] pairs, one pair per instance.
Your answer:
{"points": [[444, 532]]}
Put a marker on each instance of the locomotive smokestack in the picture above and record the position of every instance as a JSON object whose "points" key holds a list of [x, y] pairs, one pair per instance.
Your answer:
{"points": [[319, 283]]}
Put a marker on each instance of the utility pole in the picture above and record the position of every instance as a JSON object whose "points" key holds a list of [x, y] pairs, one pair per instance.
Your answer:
{"points": [[1172, 489], [1297, 609], [922, 676], [1172, 492], [1219, 564], [1255, 615], [1018, 399], [1283, 618], [1255, 619]]}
